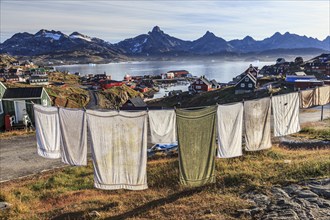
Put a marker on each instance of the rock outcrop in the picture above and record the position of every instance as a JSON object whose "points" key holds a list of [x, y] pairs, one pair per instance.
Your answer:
{"points": [[308, 200]]}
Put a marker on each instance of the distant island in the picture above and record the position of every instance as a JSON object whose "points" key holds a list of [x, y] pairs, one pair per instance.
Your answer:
{"points": [[56, 48]]}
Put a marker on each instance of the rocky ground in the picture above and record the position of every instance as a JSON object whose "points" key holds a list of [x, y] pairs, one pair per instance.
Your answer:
{"points": [[307, 200]]}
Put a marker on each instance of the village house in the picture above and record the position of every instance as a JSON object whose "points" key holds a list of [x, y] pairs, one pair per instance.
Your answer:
{"points": [[180, 73], [201, 85], [174, 92], [128, 77], [141, 88], [302, 82], [319, 65], [246, 85], [134, 103], [15, 71], [2, 119], [17, 102], [280, 61], [215, 84], [98, 77], [253, 70], [38, 80], [107, 84], [11, 78], [169, 75]]}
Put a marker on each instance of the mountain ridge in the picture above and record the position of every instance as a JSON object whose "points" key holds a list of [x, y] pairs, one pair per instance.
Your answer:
{"points": [[50, 43]]}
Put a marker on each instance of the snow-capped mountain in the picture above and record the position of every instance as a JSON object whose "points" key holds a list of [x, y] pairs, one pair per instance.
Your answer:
{"points": [[156, 42], [46, 42]]}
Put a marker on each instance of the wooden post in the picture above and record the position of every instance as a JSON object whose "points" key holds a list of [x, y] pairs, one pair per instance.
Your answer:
{"points": [[322, 113]]}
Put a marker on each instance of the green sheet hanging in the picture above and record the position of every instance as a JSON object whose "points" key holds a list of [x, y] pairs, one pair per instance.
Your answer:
{"points": [[197, 146]]}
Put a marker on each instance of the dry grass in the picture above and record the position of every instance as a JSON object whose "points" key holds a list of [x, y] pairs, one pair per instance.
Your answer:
{"points": [[70, 96], [69, 192], [14, 133]]}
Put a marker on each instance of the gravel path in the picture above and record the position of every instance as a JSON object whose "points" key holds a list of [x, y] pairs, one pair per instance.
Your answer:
{"points": [[18, 158]]}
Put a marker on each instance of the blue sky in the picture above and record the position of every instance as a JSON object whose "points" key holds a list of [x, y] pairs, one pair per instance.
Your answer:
{"points": [[188, 20]]}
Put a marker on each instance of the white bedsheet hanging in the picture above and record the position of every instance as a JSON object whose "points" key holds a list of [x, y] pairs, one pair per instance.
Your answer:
{"points": [[229, 128], [162, 126], [286, 114], [119, 149], [73, 127], [47, 131]]}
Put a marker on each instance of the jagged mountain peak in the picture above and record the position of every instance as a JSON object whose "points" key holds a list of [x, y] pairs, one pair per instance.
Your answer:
{"points": [[156, 29], [248, 38], [44, 32], [76, 33], [209, 34]]}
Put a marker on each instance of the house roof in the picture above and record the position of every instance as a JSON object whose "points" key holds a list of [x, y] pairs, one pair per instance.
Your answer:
{"points": [[215, 83], [294, 78], [203, 79], [39, 77], [254, 80], [21, 93], [137, 102], [300, 73]]}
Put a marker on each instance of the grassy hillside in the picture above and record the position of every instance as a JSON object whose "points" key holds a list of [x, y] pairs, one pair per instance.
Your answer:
{"points": [[68, 96], [116, 96]]}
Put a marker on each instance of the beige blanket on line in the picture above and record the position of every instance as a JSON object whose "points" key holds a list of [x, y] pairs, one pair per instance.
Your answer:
{"points": [[73, 127], [322, 95], [257, 124], [307, 98], [119, 149]]}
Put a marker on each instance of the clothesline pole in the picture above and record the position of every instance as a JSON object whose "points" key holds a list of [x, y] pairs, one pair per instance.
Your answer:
{"points": [[321, 112]]}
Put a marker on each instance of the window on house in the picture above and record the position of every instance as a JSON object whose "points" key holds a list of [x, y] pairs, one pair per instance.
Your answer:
{"points": [[246, 79], [1, 109], [242, 85], [198, 87], [250, 85]]}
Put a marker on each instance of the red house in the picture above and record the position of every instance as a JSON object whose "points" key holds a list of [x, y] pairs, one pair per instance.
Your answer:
{"points": [[107, 84], [179, 73], [201, 85]]}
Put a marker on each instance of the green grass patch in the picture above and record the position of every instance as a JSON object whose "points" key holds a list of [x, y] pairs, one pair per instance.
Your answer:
{"points": [[323, 134]]}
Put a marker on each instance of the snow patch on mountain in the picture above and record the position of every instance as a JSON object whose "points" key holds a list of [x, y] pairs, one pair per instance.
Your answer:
{"points": [[51, 35], [80, 37]]}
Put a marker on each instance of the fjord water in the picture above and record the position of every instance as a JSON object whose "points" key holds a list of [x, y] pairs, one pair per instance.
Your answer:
{"points": [[221, 71]]}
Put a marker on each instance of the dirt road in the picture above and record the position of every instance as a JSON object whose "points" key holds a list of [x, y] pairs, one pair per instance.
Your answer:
{"points": [[18, 155], [18, 158]]}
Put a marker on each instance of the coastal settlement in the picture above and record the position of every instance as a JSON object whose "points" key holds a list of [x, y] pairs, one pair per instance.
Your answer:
{"points": [[23, 83]]}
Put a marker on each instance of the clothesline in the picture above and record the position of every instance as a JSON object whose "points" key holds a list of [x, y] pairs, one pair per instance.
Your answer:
{"points": [[186, 108], [119, 144]]}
